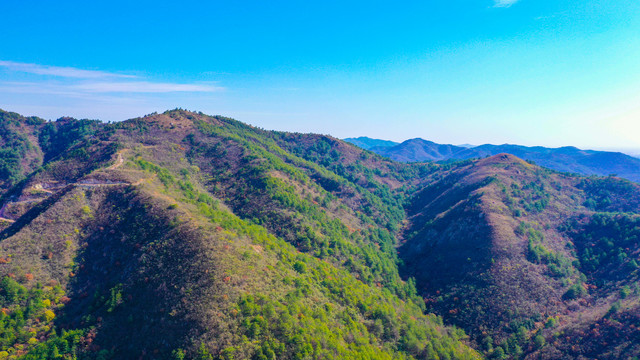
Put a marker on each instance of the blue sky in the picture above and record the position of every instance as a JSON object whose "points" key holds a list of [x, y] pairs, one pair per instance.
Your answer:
{"points": [[533, 72]]}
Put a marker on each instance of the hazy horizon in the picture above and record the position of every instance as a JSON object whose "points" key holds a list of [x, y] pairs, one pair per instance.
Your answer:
{"points": [[632, 151]]}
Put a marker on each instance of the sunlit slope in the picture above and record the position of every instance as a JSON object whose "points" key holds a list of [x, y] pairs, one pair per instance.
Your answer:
{"points": [[183, 235]]}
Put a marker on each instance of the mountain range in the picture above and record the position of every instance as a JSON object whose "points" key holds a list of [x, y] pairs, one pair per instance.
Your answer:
{"points": [[187, 236], [565, 159]]}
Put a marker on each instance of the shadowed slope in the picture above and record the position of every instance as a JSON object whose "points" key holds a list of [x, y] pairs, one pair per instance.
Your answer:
{"points": [[497, 247]]}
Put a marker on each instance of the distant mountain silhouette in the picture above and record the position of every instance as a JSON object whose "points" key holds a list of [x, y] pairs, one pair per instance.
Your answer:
{"points": [[420, 150], [369, 143], [565, 159]]}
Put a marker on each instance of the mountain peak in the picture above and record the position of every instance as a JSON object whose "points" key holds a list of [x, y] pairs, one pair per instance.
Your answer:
{"points": [[417, 141], [418, 149], [176, 119], [503, 158]]}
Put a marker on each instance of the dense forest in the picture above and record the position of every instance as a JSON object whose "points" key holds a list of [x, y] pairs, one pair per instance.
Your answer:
{"points": [[186, 236]]}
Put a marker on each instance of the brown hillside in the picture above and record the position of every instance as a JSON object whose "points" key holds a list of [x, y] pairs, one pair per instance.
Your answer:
{"points": [[184, 235], [490, 249]]}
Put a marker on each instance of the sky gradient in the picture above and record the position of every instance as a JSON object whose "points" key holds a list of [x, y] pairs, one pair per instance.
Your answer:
{"points": [[541, 72]]}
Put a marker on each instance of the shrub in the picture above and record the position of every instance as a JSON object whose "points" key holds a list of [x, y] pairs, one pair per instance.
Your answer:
{"points": [[300, 267], [49, 315], [575, 291]]}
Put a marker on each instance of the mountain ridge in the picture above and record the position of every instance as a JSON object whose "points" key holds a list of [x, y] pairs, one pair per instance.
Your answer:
{"points": [[183, 235], [565, 159]]}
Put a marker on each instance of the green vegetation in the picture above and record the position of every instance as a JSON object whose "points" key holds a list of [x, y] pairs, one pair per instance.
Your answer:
{"points": [[230, 245], [15, 147], [185, 236], [57, 137], [610, 194], [369, 251], [607, 246], [27, 330], [352, 317], [530, 198], [558, 264]]}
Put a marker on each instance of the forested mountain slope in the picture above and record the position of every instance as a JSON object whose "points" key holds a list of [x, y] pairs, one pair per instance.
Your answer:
{"points": [[180, 235], [186, 236], [532, 263]]}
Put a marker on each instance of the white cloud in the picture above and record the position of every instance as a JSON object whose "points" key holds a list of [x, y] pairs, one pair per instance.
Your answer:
{"points": [[144, 87], [504, 3], [50, 92], [79, 82], [89, 88], [66, 72]]}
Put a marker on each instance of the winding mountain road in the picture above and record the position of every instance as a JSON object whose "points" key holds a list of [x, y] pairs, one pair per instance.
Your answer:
{"points": [[90, 183]]}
